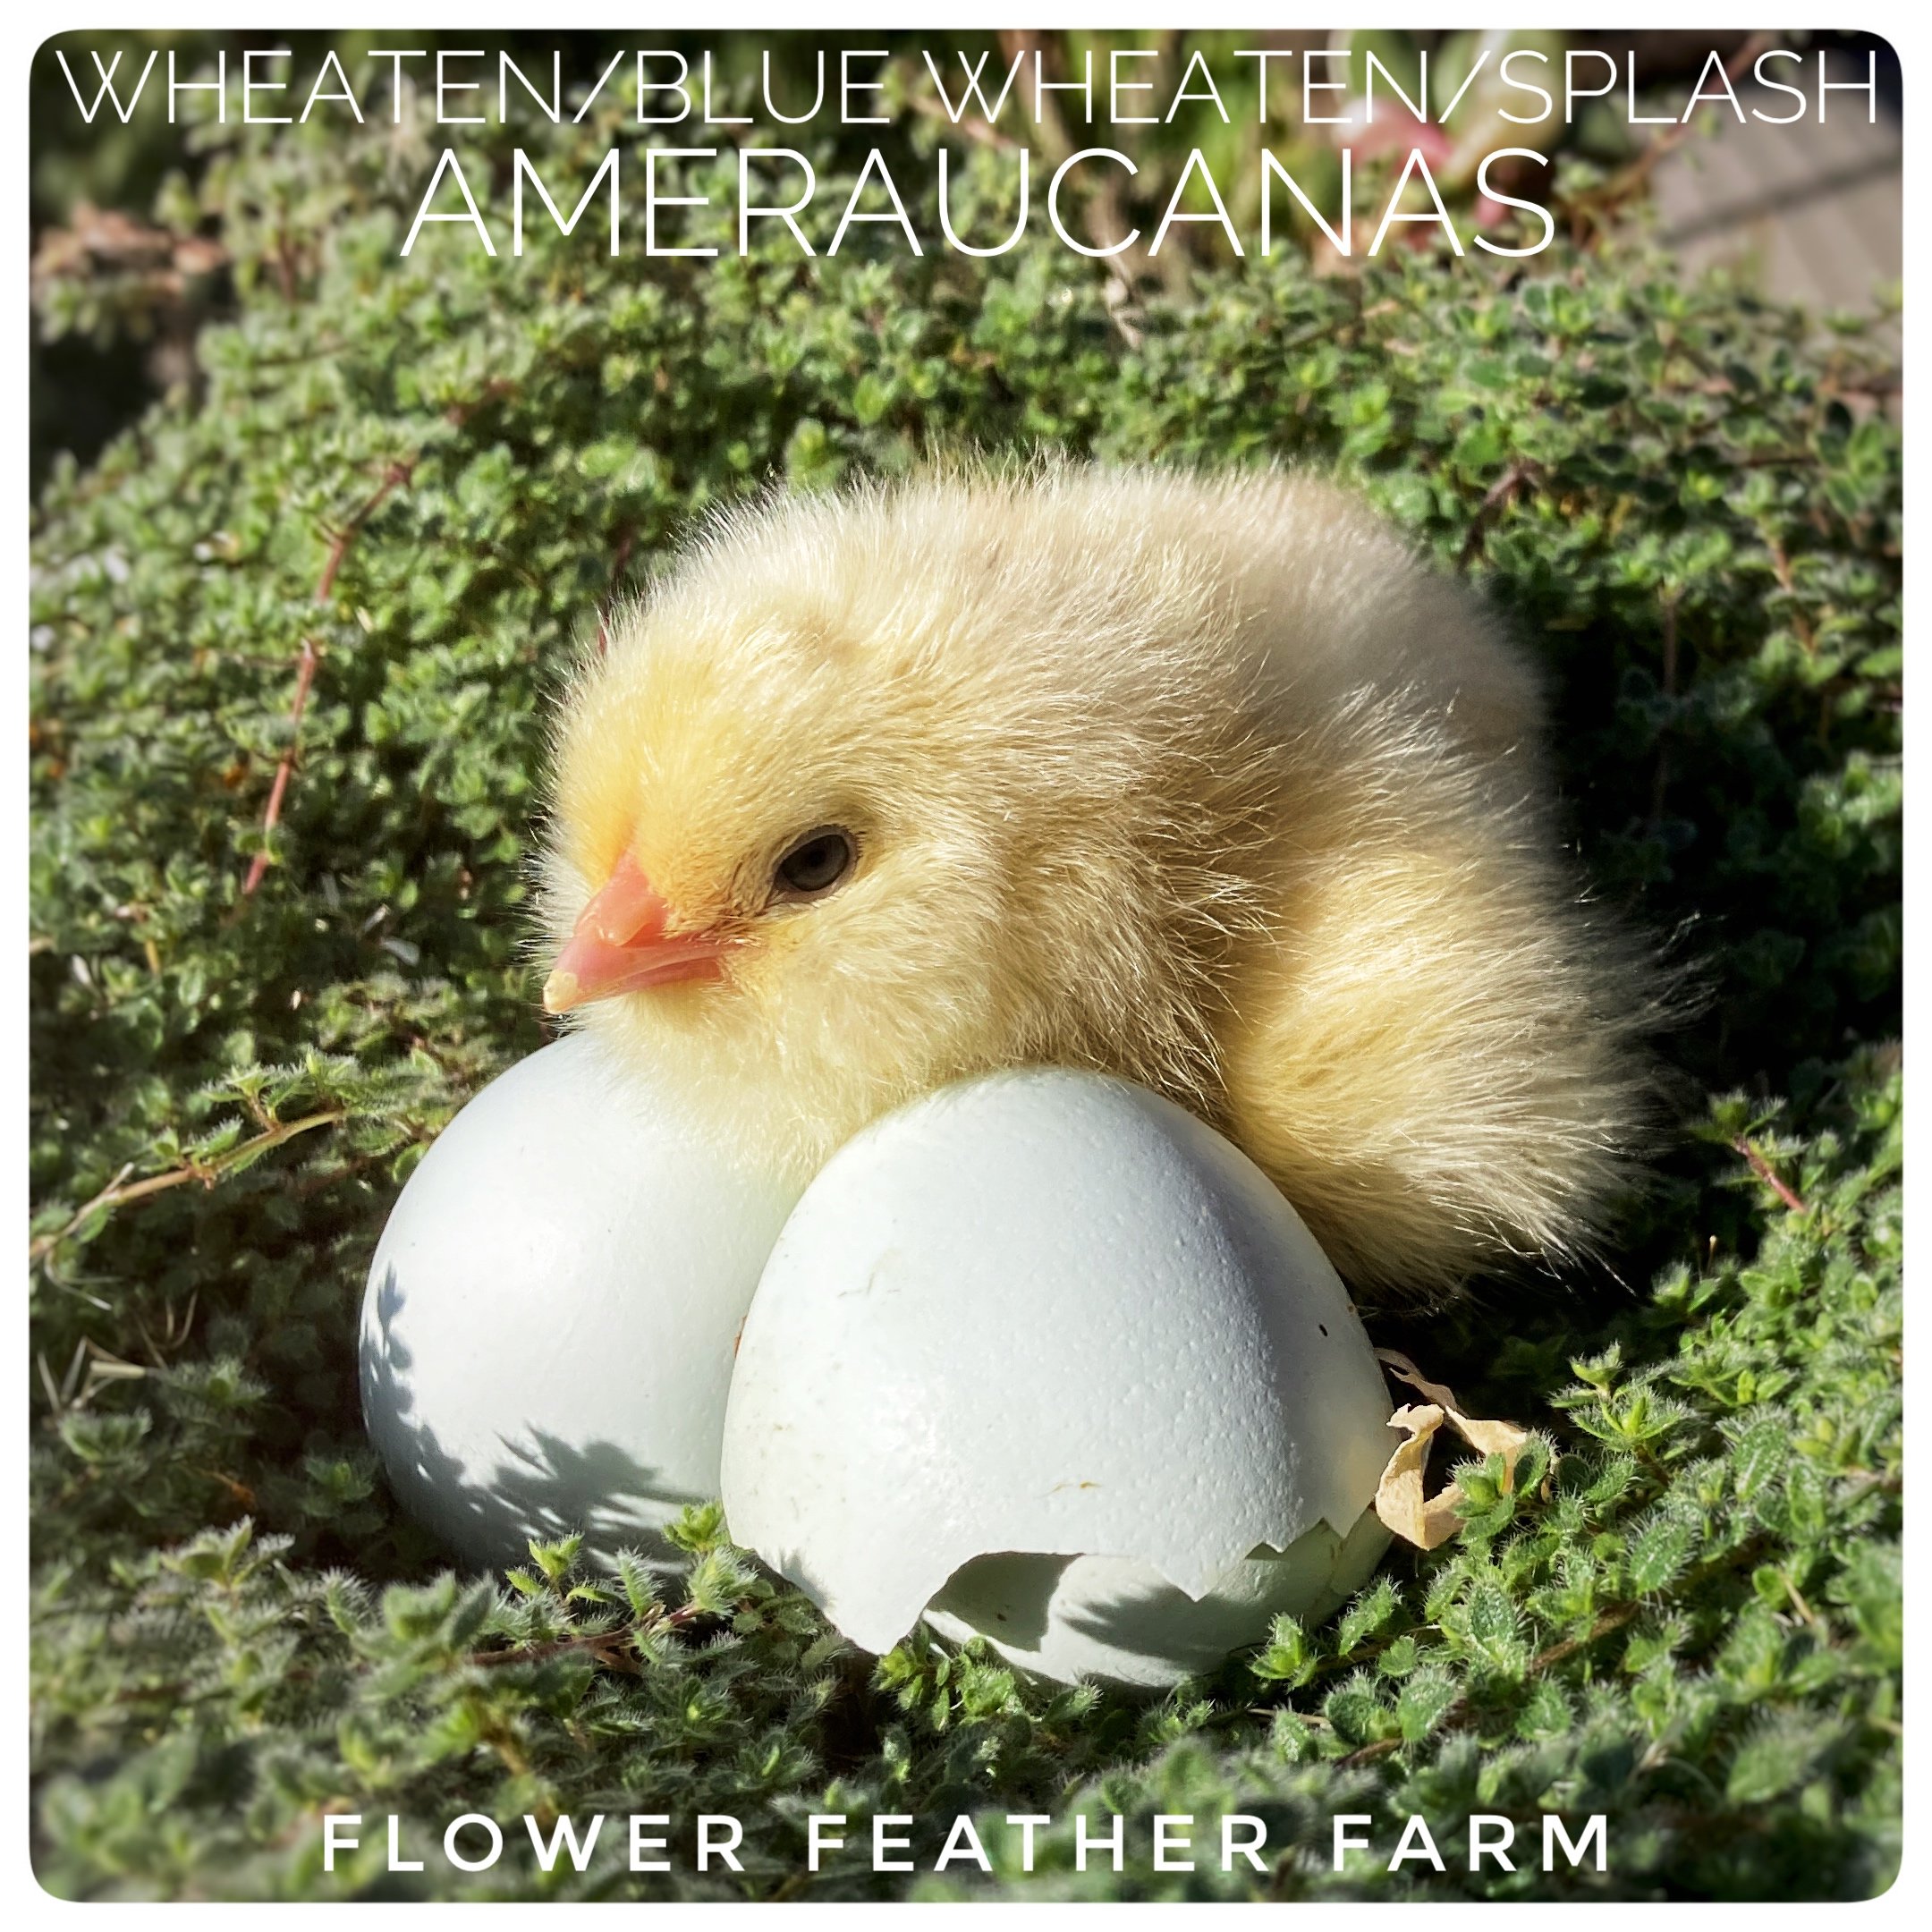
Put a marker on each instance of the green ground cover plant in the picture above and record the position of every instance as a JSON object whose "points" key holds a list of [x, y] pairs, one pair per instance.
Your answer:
{"points": [[294, 638]]}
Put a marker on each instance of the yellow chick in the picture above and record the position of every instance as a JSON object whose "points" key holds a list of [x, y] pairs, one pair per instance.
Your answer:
{"points": [[1206, 782]]}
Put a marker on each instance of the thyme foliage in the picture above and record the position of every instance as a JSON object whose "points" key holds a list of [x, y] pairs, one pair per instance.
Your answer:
{"points": [[293, 637]]}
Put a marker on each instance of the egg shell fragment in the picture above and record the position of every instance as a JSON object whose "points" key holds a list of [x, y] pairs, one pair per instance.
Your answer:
{"points": [[547, 1330], [1051, 1314]]}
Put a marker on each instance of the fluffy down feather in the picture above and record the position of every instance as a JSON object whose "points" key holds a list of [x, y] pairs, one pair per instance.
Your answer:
{"points": [[1209, 783]]}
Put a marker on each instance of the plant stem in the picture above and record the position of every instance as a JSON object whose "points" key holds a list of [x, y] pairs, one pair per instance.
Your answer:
{"points": [[120, 1190]]}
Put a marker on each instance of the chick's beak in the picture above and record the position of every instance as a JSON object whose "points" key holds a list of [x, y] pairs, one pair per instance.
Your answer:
{"points": [[621, 944]]}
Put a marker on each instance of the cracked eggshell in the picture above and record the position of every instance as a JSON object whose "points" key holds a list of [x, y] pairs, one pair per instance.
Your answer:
{"points": [[547, 1330], [1119, 1618], [1050, 1316]]}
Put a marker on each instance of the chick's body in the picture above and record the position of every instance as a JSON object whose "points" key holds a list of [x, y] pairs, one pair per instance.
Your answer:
{"points": [[1206, 782]]}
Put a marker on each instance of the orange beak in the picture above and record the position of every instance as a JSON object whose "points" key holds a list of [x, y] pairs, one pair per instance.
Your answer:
{"points": [[621, 944]]}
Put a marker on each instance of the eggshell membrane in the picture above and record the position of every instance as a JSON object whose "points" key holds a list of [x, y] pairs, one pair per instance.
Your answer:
{"points": [[1051, 1314], [547, 1330]]}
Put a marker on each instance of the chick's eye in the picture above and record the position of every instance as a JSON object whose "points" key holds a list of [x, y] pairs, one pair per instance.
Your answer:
{"points": [[816, 863]]}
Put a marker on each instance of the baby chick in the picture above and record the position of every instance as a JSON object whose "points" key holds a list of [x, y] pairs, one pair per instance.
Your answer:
{"points": [[1206, 782]]}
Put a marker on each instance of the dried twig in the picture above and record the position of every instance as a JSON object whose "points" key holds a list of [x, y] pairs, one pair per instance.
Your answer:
{"points": [[393, 478], [974, 127], [120, 1190], [1585, 210], [1130, 261], [1781, 568], [1763, 1169], [620, 558], [1503, 492], [91, 1369], [1460, 1712], [605, 1646], [305, 669]]}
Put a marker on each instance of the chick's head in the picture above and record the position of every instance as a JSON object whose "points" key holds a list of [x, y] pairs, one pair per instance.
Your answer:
{"points": [[821, 842], [778, 873]]}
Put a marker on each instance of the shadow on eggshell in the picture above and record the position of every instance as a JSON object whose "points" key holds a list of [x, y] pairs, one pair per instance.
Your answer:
{"points": [[1118, 1620], [542, 1488]]}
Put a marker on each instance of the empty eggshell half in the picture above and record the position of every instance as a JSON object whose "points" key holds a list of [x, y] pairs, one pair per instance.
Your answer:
{"points": [[547, 1330], [1044, 1352]]}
